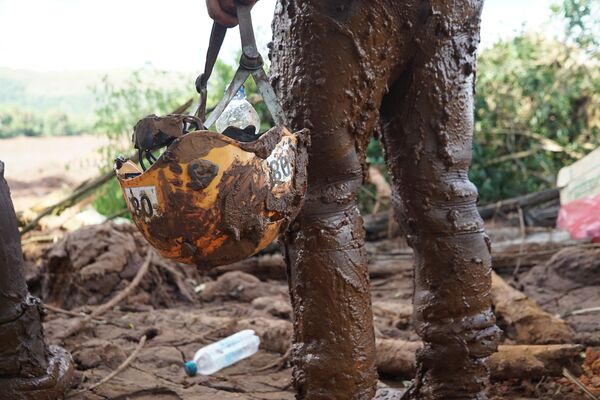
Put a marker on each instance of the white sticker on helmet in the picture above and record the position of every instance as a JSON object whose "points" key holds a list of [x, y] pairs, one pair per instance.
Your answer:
{"points": [[281, 162], [142, 201]]}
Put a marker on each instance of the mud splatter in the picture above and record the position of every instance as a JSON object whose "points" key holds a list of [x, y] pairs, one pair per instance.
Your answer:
{"points": [[221, 204], [339, 66]]}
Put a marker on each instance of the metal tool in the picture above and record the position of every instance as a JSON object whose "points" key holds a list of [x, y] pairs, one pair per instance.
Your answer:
{"points": [[251, 63]]}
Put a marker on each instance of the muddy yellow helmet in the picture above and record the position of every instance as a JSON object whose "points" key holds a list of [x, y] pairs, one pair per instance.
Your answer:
{"points": [[213, 199]]}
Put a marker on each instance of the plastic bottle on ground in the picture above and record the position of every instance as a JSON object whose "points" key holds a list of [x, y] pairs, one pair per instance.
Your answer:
{"points": [[223, 353], [239, 113]]}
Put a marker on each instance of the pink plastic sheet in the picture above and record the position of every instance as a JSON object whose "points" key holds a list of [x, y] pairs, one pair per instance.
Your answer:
{"points": [[581, 218]]}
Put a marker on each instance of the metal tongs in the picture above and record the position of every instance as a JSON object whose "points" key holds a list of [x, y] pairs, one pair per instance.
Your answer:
{"points": [[251, 63]]}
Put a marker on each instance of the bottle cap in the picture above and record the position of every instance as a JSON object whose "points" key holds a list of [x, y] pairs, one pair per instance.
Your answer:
{"points": [[190, 368]]}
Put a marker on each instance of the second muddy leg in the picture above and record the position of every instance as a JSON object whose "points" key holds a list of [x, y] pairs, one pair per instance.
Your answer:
{"points": [[428, 120]]}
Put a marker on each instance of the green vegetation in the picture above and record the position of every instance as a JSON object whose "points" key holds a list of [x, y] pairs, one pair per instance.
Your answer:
{"points": [[537, 105], [18, 121], [45, 103]]}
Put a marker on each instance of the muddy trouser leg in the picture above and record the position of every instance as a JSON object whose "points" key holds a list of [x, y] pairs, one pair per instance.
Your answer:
{"points": [[428, 124], [29, 369], [323, 72]]}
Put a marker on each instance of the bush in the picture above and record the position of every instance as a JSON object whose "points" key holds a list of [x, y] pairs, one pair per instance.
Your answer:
{"points": [[537, 109], [119, 107], [19, 121], [537, 105]]}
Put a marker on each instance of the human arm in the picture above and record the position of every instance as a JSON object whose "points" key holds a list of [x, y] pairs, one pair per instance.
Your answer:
{"points": [[224, 11]]}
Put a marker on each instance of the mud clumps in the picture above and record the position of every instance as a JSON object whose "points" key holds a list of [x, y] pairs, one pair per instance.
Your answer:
{"points": [[88, 266], [567, 283], [237, 285]]}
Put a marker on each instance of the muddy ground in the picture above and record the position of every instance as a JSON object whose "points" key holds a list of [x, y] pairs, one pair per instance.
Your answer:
{"points": [[180, 309], [36, 167]]}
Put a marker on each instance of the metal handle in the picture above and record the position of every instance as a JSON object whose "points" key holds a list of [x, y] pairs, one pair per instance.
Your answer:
{"points": [[251, 63]]}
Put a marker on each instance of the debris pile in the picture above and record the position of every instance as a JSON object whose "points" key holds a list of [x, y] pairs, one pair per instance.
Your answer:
{"points": [[177, 310]]}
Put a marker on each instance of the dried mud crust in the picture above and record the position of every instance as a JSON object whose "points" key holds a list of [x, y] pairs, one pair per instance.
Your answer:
{"points": [[568, 282], [157, 373], [225, 304], [88, 266]]}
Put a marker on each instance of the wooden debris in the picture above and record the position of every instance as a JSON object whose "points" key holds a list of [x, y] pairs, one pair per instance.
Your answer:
{"points": [[525, 321], [272, 266], [532, 361], [264, 267], [397, 357], [530, 200], [376, 224]]}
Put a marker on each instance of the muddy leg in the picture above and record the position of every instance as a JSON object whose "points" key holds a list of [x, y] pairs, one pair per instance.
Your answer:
{"points": [[28, 368], [329, 71], [428, 120]]}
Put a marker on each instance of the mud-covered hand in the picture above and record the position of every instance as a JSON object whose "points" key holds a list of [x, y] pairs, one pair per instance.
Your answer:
{"points": [[224, 11]]}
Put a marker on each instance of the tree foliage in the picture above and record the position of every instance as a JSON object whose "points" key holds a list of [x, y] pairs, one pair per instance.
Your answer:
{"points": [[537, 106], [19, 121], [119, 107]]}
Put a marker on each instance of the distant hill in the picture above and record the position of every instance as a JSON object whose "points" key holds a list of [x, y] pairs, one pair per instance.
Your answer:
{"points": [[67, 91], [35, 103]]}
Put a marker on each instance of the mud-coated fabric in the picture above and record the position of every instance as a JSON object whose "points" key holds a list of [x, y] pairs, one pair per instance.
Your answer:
{"points": [[336, 64]]}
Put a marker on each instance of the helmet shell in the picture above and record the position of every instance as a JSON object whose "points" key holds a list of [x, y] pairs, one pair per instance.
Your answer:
{"points": [[210, 200]]}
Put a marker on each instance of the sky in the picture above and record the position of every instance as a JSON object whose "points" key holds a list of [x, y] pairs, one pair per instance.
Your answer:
{"points": [[62, 35]]}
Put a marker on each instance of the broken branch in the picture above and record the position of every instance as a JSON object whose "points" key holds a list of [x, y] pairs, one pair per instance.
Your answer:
{"points": [[527, 321]]}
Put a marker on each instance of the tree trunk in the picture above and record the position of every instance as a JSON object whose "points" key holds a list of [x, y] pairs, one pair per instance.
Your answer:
{"points": [[28, 368]]}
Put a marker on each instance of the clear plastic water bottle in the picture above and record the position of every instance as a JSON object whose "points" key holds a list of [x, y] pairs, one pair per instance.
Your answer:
{"points": [[223, 353], [238, 113]]}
